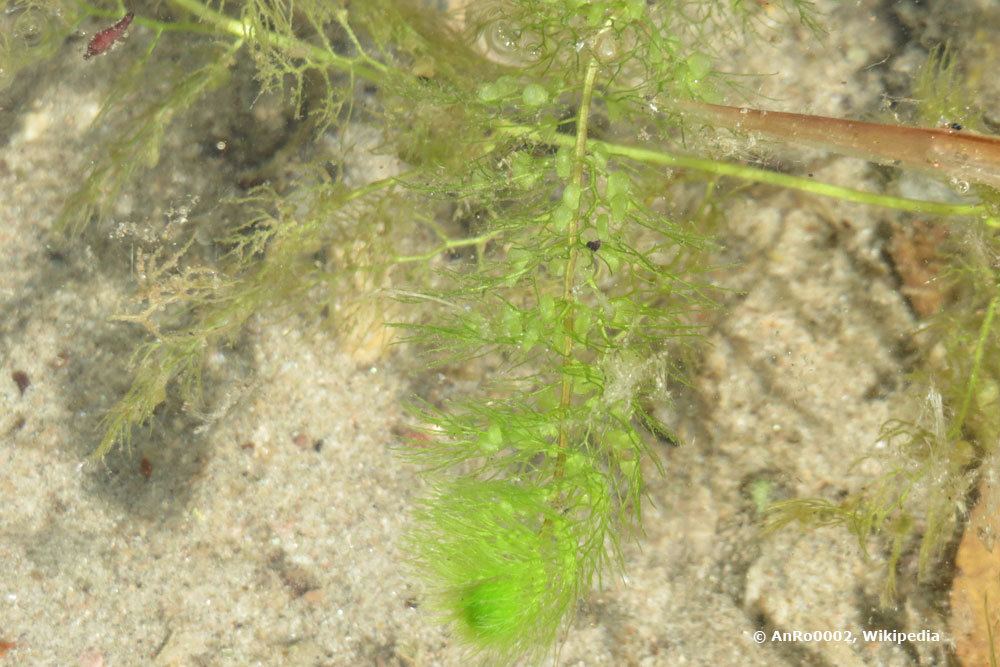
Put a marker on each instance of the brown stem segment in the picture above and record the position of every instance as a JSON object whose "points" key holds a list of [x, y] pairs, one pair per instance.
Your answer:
{"points": [[950, 153]]}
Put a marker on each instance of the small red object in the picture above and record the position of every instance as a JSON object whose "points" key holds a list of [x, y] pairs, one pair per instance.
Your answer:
{"points": [[103, 40]]}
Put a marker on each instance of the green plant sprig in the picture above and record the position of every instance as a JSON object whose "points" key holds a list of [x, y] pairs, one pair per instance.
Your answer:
{"points": [[265, 268], [656, 156], [932, 462], [139, 146], [579, 345]]}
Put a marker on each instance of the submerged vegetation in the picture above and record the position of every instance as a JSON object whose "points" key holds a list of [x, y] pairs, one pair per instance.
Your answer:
{"points": [[524, 226]]}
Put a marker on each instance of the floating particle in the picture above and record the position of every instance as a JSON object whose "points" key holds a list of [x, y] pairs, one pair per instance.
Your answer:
{"points": [[106, 38], [61, 361], [145, 468]]}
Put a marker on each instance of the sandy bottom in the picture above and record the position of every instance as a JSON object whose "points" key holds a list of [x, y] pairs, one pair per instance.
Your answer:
{"points": [[267, 532]]}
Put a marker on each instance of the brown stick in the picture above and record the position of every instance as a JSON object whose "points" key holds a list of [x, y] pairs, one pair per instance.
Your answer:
{"points": [[944, 152]]}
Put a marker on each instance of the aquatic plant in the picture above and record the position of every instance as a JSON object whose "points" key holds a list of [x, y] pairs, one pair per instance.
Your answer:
{"points": [[565, 270]]}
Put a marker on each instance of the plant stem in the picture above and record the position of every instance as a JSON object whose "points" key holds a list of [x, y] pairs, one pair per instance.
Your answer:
{"points": [[449, 244], [942, 151], [572, 237], [295, 47], [752, 174], [977, 363]]}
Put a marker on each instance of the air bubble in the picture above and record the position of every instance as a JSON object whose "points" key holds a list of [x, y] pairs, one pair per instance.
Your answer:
{"points": [[505, 42], [961, 186], [502, 38]]}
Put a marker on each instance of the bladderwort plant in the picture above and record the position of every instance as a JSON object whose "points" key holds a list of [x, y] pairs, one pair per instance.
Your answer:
{"points": [[513, 119]]}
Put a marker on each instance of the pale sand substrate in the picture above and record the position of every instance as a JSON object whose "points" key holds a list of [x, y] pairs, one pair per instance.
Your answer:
{"points": [[269, 533]]}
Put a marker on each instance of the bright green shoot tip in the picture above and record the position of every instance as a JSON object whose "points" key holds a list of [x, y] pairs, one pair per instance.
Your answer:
{"points": [[502, 562]]}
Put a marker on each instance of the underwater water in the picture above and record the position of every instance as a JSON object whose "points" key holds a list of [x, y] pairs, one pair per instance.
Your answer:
{"points": [[261, 516]]}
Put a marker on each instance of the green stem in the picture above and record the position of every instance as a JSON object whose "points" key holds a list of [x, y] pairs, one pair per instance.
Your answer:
{"points": [[977, 363], [450, 244], [752, 174], [293, 46], [572, 237]]}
